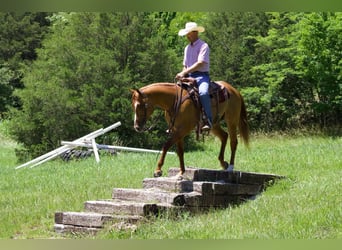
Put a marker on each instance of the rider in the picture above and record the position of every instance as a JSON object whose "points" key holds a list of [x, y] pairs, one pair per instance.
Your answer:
{"points": [[196, 65]]}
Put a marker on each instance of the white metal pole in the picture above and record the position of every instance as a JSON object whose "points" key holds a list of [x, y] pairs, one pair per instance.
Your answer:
{"points": [[59, 150], [96, 153], [84, 144], [109, 128], [54, 153]]}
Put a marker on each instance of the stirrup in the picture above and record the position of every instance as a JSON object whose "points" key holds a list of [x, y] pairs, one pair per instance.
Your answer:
{"points": [[206, 127]]}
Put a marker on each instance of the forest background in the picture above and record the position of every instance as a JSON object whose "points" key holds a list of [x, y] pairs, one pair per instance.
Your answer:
{"points": [[63, 75]]}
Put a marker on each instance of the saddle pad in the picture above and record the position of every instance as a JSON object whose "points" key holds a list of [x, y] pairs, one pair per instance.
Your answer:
{"points": [[216, 89]]}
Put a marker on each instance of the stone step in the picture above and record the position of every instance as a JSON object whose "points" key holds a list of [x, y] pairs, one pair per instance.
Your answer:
{"points": [[228, 189], [169, 184], [237, 177], [197, 202], [61, 228], [199, 190], [91, 219], [121, 207], [148, 196], [206, 188]]}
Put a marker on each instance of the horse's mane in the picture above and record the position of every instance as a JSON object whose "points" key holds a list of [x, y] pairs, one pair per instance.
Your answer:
{"points": [[164, 84]]}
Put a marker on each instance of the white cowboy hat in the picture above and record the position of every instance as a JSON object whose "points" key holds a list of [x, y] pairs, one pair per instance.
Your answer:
{"points": [[189, 27]]}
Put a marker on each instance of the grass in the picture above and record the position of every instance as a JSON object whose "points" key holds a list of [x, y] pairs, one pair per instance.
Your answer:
{"points": [[306, 205]]}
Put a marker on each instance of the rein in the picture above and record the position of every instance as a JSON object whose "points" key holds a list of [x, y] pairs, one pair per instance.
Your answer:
{"points": [[173, 113], [176, 106], [155, 119]]}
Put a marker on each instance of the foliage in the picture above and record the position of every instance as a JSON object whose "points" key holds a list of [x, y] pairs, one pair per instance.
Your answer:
{"points": [[286, 65], [81, 80], [20, 35]]}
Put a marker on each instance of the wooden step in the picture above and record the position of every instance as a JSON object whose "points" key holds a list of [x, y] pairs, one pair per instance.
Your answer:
{"points": [[121, 207], [90, 219], [237, 177], [61, 228], [199, 190], [82, 219], [222, 188], [148, 196], [169, 184], [207, 188]]}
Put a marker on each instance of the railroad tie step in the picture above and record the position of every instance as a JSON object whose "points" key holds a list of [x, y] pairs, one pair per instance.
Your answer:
{"points": [[236, 177], [203, 187], [121, 207], [91, 219], [148, 196], [169, 184]]}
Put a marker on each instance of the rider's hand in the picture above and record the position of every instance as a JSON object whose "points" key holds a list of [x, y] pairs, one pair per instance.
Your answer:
{"points": [[179, 76]]}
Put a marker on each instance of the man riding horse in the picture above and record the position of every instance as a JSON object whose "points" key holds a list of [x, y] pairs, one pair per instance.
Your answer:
{"points": [[229, 106], [196, 65]]}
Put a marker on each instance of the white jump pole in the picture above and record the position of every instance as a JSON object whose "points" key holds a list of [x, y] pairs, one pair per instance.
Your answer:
{"points": [[54, 153], [57, 151], [96, 153], [141, 150]]}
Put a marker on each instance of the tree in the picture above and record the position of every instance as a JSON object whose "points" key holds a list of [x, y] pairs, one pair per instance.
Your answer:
{"points": [[231, 38], [20, 35], [319, 59], [302, 70], [82, 76]]}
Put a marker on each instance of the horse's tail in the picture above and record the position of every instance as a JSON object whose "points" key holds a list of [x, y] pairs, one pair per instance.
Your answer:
{"points": [[243, 124]]}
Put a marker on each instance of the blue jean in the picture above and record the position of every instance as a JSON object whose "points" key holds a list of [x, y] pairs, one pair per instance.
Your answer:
{"points": [[203, 81]]}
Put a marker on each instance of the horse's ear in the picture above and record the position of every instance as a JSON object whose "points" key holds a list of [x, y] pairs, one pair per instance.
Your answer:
{"points": [[135, 91]]}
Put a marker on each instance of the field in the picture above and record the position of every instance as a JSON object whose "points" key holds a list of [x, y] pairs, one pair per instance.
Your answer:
{"points": [[306, 205]]}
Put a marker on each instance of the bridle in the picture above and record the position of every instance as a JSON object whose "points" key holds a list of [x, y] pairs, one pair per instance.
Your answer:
{"points": [[174, 112], [146, 106]]}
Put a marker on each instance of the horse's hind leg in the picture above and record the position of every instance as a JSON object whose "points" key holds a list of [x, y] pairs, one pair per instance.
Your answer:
{"points": [[232, 129], [223, 136]]}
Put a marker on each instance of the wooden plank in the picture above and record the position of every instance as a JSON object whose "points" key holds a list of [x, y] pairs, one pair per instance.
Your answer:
{"points": [[168, 184], [238, 177], [120, 207], [203, 202], [92, 220], [148, 196], [83, 219], [232, 189], [61, 228], [212, 188]]}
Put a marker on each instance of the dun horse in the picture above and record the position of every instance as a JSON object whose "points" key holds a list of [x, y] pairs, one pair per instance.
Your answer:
{"points": [[164, 95]]}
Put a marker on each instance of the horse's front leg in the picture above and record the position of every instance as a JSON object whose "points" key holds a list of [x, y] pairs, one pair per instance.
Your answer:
{"points": [[158, 172], [180, 152]]}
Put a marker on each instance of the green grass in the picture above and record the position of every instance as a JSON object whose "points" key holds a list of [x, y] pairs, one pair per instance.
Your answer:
{"points": [[306, 205]]}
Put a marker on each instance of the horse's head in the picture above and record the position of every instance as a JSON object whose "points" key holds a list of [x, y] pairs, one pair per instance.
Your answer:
{"points": [[142, 109]]}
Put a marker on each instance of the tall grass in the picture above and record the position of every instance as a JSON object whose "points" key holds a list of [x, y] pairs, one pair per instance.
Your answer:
{"points": [[306, 205]]}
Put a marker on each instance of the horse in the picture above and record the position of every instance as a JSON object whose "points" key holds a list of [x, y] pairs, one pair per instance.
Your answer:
{"points": [[163, 95]]}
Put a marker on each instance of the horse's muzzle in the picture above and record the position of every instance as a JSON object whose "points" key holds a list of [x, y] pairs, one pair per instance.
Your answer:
{"points": [[138, 128]]}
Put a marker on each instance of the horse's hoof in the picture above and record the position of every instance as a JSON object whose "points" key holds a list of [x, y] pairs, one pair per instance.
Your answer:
{"points": [[158, 174], [228, 167], [179, 176]]}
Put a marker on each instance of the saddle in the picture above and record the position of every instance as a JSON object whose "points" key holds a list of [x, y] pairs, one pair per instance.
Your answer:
{"points": [[217, 92]]}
